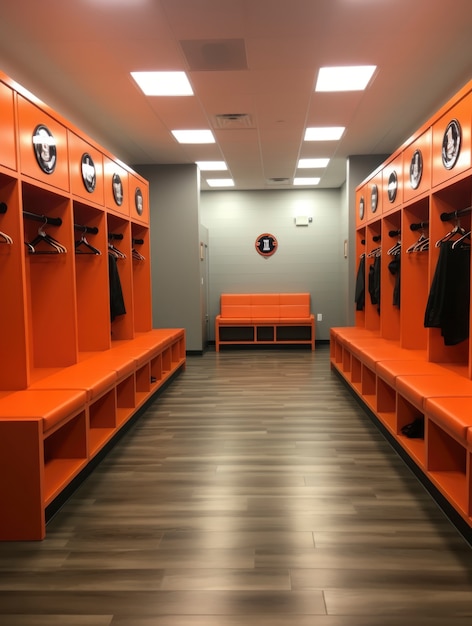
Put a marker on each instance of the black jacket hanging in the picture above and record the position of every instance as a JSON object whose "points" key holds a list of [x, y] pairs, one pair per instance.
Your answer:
{"points": [[394, 269], [359, 296], [117, 303], [448, 302], [374, 282]]}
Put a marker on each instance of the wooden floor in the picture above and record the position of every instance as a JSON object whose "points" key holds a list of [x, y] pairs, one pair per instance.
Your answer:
{"points": [[254, 492]]}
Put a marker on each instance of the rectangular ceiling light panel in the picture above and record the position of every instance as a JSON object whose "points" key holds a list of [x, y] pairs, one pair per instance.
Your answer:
{"points": [[348, 78], [163, 83]]}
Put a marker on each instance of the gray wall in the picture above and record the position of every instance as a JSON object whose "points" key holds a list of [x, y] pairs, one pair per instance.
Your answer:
{"points": [[175, 248], [309, 258]]}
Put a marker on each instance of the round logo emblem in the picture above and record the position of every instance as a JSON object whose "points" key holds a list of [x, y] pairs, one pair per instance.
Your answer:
{"points": [[89, 177], [416, 169], [266, 244], [392, 186], [44, 146], [374, 198], [451, 144]]}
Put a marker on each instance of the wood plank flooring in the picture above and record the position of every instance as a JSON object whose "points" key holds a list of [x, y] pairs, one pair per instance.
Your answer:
{"points": [[253, 492]]}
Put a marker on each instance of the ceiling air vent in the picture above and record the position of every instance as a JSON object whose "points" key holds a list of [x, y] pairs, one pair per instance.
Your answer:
{"points": [[278, 180], [232, 121]]}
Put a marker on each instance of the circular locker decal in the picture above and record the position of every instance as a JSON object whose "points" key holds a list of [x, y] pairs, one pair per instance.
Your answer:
{"points": [[374, 198], [361, 208], [451, 144], [89, 176], [117, 189], [392, 186], [138, 201], [416, 169], [44, 146]]}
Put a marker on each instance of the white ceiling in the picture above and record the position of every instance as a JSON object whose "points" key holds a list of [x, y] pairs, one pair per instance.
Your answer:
{"points": [[77, 55]]}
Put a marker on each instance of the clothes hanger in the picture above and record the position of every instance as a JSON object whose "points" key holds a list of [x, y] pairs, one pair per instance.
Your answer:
{"points": [[136, 255], [420, 245], [457, 230], [83, 242], [466, 235], [395, 249], [375, 252], [5, 238], [115, 252], [42, 236]]}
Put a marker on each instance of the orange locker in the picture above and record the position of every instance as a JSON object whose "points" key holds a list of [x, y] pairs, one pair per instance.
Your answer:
{"points": [[43, 146], [7, 128]]}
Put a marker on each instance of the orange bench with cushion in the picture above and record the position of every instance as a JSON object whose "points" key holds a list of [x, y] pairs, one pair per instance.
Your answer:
{"points": [[407, 386], [51, 431], [259, 310]]}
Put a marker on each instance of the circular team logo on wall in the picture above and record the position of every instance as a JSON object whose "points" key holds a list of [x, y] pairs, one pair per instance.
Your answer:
{"points": [[266, 244]]}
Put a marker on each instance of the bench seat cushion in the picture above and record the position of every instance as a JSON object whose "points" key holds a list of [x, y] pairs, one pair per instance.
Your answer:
{"points": [[94, 378], [389, 370], [452, 414], [51, 406], [273, 306], [416, 389]]}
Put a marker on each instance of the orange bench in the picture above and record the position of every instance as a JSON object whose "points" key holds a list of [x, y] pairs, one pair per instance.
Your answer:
{"points": [[51, 431], [265, 318], [400, 386]]}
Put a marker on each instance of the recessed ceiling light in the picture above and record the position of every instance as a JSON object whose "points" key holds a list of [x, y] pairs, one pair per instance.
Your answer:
{"points": [[349, 78], [163, 83], [312, 163], [211, 166], [194, 136], [324, 133], [306, 181], [220, 182]]}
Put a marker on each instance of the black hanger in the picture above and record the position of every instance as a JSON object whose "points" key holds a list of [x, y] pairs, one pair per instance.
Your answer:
{"points": [[43, 237], [83, 242]]}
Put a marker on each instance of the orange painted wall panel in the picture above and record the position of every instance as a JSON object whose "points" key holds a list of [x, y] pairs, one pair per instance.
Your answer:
{"points": [[7, 128], [43, 146]]}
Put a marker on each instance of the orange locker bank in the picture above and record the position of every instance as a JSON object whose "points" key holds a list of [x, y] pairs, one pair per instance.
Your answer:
{"points": [[79, 359], [409, 356]]}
